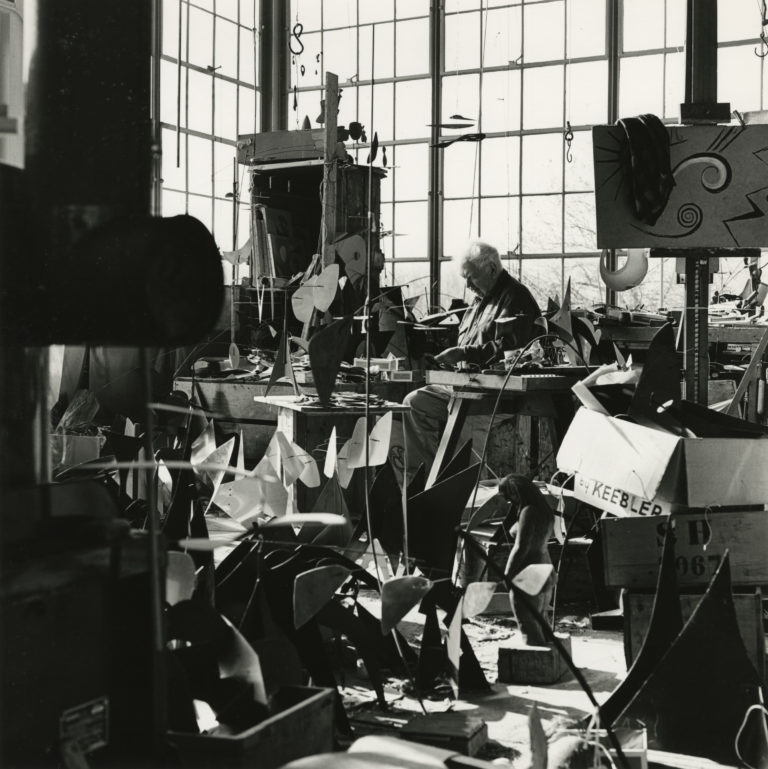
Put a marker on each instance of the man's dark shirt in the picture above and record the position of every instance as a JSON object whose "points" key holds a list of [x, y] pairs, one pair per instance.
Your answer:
{"points": [[478, 332]]}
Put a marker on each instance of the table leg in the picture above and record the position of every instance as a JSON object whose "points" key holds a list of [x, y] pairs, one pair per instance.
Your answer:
{"points": [[457, 413]]}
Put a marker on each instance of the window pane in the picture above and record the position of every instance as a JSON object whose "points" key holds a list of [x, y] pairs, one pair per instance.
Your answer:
{"points": [[199, 165], [308, 60], [410, 8], [676, 16], [580, 232], [740, 22], [348, 106], [226, 48], [384, 51], [500, 223], [247, 117], [503, 28], [542, 224], [308, 12], [674, 92], [544, 38], [248, 57], [500, 165], [643, 24], [543, 277], [580, 172], [460, 224], [248, 12], [200, 37], [173, 203], [459, 169], [200, 207], [586, 28], [501, 101], [168, 105], [461, 5], [339, 13], [462, 41], [738, 77], [340, 53], [382, 110], [222, 225], [411, 172], [199, 102], [411, 122], [373, 10], [172, 176], [640, 85], [452, 285], [587, 288], [413, 47], [225, 113], [413, 277], [223, 157], [461, 96], [542, 163], [171, 27], [543, 97], [587, 97], [411, 226]]}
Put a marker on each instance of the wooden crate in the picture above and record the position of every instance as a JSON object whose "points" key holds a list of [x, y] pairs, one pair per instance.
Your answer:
{"points": [[749, 615], [632, 548], [302, 727]]}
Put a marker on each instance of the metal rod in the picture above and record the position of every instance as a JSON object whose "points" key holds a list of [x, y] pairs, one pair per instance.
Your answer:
{"points": [[434, 212], [156, 563]]}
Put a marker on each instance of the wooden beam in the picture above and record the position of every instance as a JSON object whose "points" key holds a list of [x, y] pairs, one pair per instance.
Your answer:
{"points": [[330, 169]]}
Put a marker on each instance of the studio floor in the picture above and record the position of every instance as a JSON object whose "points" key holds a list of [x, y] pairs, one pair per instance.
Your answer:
{"points": [[505, 708]]}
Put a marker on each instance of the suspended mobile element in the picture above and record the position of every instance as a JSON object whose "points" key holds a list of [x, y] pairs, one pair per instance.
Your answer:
{"points": [[628, 276]]}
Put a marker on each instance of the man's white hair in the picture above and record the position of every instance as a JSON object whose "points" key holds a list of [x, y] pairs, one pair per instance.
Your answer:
{"points": [[481, 254]]}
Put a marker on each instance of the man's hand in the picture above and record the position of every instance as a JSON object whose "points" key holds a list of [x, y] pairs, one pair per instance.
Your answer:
{"points": [[450, 356]]}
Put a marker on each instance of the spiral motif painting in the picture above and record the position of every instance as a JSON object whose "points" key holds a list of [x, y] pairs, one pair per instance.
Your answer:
{"points": [[720, 197]]}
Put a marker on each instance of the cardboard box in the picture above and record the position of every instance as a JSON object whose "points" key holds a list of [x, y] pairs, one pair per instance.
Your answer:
{"points": [[629, 469], [632, 548], [302, 727]]}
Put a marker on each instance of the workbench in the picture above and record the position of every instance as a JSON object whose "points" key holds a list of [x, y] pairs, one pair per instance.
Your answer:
{"points": [[234, 401], [735, 340], [309, 425], [532, 394]]}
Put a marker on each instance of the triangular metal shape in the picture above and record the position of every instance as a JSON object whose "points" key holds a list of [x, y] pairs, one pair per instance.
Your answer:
{"points": [[696, 698]]}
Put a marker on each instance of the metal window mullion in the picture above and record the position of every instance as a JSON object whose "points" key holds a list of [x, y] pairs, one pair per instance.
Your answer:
{"points": [[213, 110], [566, 96], [186, 118], [520, 151], [434, 206]]}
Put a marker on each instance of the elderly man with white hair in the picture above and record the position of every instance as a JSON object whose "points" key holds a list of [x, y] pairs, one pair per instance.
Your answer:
{"points": [[497, 295]]}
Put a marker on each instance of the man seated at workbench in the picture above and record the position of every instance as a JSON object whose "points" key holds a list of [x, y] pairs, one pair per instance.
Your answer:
{"points": [[498, 295]]}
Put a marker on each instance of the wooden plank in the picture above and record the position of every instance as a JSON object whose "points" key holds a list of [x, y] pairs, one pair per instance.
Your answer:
{"points": [[632, 548], [749, 610]]}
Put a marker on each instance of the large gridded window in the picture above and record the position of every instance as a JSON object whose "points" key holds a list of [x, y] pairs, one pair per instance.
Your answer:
{"points": [[520, 70], [209, 94], [378, 49]]}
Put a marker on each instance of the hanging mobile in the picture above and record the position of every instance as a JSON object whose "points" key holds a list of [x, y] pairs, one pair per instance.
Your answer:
{"points": [[296, 32], [568, 136]]}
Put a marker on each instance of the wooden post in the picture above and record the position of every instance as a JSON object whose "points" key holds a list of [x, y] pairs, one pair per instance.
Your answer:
{"points": [[330, 170]]}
